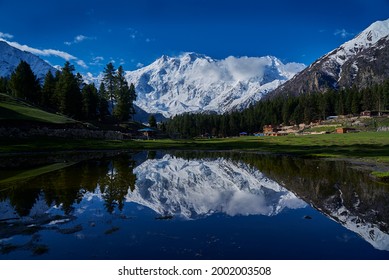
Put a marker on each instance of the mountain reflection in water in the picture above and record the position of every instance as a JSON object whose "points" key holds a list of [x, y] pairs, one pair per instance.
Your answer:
{"points": [[193, 188], [129, 194]]}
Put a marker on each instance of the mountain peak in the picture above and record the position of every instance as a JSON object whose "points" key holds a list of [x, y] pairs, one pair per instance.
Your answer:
{"points": [[192, 56], [367, 37], [186, 56], [193, 82], [360, 62], [376, 31]]}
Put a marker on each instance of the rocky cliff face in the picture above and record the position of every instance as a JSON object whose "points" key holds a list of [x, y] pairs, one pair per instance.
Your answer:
{"points": [[359, 62], [369, 67]]}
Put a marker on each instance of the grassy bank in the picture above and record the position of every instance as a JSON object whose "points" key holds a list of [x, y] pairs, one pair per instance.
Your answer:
{"points": [[14, 110], [372, 146]]}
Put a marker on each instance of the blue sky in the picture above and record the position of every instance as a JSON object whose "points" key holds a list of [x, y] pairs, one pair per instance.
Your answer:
{"points": [[134, 33]]}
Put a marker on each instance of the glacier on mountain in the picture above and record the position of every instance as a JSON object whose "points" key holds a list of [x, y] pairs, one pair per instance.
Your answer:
{"points": [[198, 83]]}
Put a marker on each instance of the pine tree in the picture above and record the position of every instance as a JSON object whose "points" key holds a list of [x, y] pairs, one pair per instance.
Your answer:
{"points": [[152, 121], [122, 93], [68, 92], [125, 97], [367, 100], [48, 91], [90, 102], [24, 84], [133, 97], [356, 102], [80, 81], [109, 80], [385, 89], [103, 103], [3, 85]]}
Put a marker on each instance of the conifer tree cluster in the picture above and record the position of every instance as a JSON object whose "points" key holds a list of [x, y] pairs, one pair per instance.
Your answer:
{"points": [[287, 110], [24, 84], [120, 96], [66, 93]]}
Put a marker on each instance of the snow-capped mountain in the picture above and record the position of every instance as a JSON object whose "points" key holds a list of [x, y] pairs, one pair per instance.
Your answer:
{"points": [[197, 83], [195, 188], [10, 58], [361, 61]]}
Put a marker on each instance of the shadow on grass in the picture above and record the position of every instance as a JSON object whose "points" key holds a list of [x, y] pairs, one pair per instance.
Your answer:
{"points": [[8, 114], [352, 150]]}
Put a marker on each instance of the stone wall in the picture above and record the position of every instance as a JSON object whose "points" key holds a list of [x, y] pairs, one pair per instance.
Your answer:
{"points": [[71, 133]]}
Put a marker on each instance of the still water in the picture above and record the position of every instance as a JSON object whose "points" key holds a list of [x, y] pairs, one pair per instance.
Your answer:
{"points": [[181, 205]]}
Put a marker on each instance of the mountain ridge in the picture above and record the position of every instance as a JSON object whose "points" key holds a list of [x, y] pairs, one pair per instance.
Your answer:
{"points": [[361, 62], [197, 83], [11, 57]]}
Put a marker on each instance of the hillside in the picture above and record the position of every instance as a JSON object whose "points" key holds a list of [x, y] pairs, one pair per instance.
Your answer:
{"points": [[18, 112]]}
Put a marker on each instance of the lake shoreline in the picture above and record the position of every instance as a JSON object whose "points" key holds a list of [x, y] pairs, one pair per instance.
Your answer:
{"points": [[371, 145], [368, 149]]}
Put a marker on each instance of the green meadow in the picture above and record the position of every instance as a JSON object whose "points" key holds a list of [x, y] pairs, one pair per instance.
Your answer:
{"points": [[373, 146]]}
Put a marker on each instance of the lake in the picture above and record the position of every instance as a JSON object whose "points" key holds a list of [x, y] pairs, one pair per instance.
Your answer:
{"points": [[190, 205]]}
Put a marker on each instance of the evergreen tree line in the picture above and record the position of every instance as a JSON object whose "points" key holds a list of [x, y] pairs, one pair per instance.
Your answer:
{"points": [[66, 93], [286, 110]]}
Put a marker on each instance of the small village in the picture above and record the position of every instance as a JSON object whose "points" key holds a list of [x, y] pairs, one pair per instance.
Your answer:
{"points": [[366, 121]]}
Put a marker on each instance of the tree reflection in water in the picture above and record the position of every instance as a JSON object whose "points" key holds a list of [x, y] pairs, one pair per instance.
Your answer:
{"points": [[65, 187]]}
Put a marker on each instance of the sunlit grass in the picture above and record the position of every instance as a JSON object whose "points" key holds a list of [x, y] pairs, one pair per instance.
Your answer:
{"points": [[364, 145], [15, 110]]}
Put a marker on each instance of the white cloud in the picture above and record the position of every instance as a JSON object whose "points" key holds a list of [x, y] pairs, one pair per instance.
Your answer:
{"points": [[343, 33], [79, 39], [46, 52], [82, 63], [139, 65], [97, 61], [6, 35], [98, 58]]}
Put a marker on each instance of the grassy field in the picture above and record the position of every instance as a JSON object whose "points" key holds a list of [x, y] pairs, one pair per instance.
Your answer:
{"points": [[15, 110], [365, 145]]}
